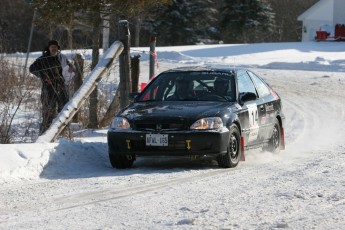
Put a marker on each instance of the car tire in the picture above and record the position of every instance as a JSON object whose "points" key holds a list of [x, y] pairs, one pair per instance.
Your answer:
{"points": [[121, 161], [274, 142], [233, 155]]}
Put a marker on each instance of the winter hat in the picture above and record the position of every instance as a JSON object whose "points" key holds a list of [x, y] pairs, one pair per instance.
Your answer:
{"points": [[53, 42]]}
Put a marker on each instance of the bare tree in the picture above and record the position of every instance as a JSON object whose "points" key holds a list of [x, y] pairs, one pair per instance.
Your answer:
{"points": [[287, 27], [15, 91]]}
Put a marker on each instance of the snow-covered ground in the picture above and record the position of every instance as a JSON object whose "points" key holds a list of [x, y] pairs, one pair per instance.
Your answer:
{"points": [[71, 185]]}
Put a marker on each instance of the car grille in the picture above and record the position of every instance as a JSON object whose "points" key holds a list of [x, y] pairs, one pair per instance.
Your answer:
{"points": [[157, 126]]}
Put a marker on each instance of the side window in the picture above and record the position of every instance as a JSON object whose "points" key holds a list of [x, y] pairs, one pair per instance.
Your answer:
{"points": [[245, 84], [260, 85]]}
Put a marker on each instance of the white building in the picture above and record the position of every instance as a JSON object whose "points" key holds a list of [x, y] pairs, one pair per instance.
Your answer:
{"points": [[324, 14]]}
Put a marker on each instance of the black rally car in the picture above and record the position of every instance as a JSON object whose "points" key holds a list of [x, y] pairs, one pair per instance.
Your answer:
{"points": [[196, 112]]}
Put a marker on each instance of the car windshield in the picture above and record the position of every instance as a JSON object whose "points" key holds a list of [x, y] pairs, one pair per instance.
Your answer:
{"points": [[191, 86]]}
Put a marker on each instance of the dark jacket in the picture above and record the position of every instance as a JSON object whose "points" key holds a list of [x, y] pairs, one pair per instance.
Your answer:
{"points": [[49, 70]]}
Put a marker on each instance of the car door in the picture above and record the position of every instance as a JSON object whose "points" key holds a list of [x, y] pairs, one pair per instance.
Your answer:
{"points": [[258, 122], [266, 111], [252, 110]]}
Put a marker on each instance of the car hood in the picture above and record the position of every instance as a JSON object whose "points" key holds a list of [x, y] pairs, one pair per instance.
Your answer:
{"points": [[183, 110]]}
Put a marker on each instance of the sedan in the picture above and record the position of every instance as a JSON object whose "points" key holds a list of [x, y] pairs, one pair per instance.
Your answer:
{"points": [[216, 112]]}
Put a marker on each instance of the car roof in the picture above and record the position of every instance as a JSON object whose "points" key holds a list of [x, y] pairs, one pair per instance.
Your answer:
{"points": [[221, 68]]}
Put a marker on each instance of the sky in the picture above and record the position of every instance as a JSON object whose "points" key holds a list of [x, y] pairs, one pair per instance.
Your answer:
{"points": [[71, 185]]}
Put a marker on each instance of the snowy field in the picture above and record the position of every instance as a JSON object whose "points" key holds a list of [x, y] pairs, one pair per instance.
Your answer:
{"points": [[71, 185]]}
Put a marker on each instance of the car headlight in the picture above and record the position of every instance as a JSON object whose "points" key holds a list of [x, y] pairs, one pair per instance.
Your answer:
{"points": [[208, 123], [120, 123]]}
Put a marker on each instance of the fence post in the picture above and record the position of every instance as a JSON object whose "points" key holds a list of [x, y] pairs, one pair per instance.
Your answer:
{"points": [[121, 99], [78, 79], [125, 84], [93, 98], [153, 57], [135, 72]]}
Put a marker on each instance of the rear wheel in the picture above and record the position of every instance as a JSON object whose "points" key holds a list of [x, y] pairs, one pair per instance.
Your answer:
{"points": [[121, 161], [275, 141], [231, 158]]}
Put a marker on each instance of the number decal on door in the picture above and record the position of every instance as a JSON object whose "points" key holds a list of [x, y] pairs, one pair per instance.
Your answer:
{"points": [[253, 121], [253, 115]]}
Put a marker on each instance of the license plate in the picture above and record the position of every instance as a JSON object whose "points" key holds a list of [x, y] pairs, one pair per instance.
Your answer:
{"points": [[157, 139]]}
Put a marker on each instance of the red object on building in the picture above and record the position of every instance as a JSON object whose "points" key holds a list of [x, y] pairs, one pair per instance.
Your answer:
{"points": [[339, 33], [321, 35]]}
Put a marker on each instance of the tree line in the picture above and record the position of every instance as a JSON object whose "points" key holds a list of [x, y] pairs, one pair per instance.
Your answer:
{"points": [[78, 23]]}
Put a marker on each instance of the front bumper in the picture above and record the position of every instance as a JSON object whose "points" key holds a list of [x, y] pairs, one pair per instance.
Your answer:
{"points": [[181, 143]]}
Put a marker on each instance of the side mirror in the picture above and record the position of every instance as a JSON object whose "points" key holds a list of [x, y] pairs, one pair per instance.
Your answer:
{"points": [[248, 96], [133, 96]]}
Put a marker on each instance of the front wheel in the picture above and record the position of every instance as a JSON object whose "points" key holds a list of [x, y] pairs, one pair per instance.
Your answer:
{"points": [[231, 158], [121, 161]]}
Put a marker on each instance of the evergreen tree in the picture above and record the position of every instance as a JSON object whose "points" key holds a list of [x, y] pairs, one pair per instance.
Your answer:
{"points": [[183, 22], [15, 24], [243, 20]]}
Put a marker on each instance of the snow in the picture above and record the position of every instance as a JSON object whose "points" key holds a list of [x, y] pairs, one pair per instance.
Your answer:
{"points": [[71, 185]]}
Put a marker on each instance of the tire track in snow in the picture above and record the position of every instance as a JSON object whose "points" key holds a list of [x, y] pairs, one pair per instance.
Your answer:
{"points": [[319, 122], [90, 198], [313, 107], [52, 203]]}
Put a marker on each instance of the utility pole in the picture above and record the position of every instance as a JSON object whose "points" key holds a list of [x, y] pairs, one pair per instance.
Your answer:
{"points": [[30, 40], [106, 27]]}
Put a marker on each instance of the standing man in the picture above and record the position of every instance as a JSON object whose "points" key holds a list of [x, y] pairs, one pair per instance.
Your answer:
{"points": [[49, 68]]}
